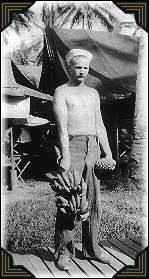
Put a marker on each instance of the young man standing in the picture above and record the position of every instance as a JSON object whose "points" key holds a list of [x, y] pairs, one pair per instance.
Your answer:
{"points": [[81, 134]]}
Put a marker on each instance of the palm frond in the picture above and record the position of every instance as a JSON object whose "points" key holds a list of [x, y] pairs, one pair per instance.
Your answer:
{"points": [[22, 20], [107, 13], [78, 16], [89, 21], [64, 9], [103, 20], [67, 17], [29, 15], [45, 14]]}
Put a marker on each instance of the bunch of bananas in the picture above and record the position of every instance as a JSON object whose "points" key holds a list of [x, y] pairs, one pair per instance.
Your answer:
{"points": [[71, 191]]}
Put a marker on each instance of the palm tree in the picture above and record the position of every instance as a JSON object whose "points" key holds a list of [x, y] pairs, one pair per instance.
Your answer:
{"points": [[138, 160], [22, 21], [83, 16]]}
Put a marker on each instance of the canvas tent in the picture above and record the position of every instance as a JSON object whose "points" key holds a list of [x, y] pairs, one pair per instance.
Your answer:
{"points": [[113, 69], [20, 89]]}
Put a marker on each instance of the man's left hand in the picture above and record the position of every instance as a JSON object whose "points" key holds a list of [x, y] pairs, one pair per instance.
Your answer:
{"points": [[106, 163]]}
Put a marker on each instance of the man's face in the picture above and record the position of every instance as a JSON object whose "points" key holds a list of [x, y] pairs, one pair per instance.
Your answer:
{"points": [[79, 67]]}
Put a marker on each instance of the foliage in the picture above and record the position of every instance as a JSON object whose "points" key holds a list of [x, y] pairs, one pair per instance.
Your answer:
{"points": [[83, 15], [24, 54], [22, 21]]}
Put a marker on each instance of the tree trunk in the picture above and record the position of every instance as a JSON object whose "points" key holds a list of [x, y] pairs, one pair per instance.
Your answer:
{"points": [[138, 163]]}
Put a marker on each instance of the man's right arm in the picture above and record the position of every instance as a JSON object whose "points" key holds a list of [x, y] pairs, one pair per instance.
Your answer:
{"points": [[60, 112]]}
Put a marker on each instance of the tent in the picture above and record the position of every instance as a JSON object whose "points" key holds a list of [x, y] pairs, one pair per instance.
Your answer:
{"points": [[20, 90], [113, 69]]}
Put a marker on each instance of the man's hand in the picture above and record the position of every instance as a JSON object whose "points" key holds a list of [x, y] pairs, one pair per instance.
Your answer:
{"points": [[106, 163], [65, 164]]}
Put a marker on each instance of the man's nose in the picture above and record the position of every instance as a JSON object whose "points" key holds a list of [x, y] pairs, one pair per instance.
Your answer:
{"points": [[82, 71]]}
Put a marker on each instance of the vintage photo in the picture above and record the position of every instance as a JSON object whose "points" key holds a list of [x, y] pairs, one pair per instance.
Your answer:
{"points": [[74, 139]]}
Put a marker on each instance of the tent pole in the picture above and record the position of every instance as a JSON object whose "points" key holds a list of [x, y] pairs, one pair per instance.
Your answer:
{"points": [[11, 148], [117, 139], [13, 172]]}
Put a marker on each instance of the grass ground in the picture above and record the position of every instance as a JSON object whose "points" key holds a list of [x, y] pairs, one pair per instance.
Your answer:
{"points": [[29, 215]]}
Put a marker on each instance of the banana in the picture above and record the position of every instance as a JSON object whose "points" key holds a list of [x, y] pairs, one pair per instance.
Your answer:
{"points": [[85, 207], [77, 177], [63, 200], [67, 189], [71, 206], [66, 179], [62, 183], [50, 176], [60, 179], [57, 185], [73, 202], [83, 185], [65, 204], [84, 216], [83, 201], [63, 210], [78, 199], [71, 179]]}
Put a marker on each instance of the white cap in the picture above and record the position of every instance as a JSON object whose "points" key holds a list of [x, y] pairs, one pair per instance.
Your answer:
{"points": [[78, 52]]}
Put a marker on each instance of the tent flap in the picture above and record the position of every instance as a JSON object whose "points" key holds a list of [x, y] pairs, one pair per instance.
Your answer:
{"points": [[113, 68]]}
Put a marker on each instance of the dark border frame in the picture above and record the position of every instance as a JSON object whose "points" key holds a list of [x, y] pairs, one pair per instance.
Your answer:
{"points": [[8, 9]]}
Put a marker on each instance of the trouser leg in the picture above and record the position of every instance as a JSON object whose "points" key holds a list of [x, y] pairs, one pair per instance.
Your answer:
{"points": [[64, 240], [90, 227]]}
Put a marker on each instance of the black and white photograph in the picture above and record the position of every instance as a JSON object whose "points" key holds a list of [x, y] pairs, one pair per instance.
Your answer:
{"points": [[74, 154]]}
